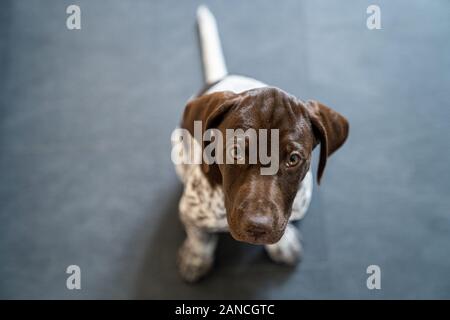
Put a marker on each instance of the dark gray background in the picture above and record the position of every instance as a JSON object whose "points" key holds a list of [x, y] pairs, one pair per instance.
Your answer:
{"points": [[85, 124]]}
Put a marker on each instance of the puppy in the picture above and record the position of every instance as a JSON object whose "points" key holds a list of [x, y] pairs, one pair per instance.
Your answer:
{"points": [[253, 207]]}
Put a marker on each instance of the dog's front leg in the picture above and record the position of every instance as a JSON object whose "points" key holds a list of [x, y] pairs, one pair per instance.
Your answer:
{"points": [[196, 255], [289, 249]]}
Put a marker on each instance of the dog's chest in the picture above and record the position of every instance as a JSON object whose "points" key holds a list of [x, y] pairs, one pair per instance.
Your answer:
{"points": [[201, 205]]}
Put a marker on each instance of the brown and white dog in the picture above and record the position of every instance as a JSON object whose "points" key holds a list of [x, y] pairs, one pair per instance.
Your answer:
{"points": [[254, 208]]}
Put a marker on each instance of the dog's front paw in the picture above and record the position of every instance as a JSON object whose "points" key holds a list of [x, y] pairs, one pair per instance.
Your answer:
{"points": [[288, 250], [193, 263]]}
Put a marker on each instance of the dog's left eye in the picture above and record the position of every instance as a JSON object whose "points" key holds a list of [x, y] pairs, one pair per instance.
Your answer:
{"points": [[294, 159]]}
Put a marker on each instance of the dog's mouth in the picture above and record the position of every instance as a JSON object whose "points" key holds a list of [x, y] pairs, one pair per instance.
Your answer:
{"points": [[256, 221], [256, 235]]}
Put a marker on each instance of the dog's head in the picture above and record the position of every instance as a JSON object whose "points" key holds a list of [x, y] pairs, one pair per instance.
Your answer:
{"points": [[259, 206]]}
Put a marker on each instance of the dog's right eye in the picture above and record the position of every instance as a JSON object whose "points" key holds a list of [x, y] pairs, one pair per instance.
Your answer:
{"points": [[236, 152], [293, 160]]}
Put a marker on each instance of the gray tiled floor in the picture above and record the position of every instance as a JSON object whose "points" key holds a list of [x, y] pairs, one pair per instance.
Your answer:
{"points": [[85, 123]]}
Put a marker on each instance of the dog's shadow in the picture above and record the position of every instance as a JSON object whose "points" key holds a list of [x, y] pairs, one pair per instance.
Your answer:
{"points": [[241, 271]]}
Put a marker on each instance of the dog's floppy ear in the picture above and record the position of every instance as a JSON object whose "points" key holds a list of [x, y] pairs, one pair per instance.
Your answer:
{"points": [[210, 110], [330, 130]]}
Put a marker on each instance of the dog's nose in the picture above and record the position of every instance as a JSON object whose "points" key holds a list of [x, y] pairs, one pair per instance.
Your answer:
{"points": [[258, 224]]}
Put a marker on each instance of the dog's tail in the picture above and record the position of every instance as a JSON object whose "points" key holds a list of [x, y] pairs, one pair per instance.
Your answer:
{"points": [[214, 67]]}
